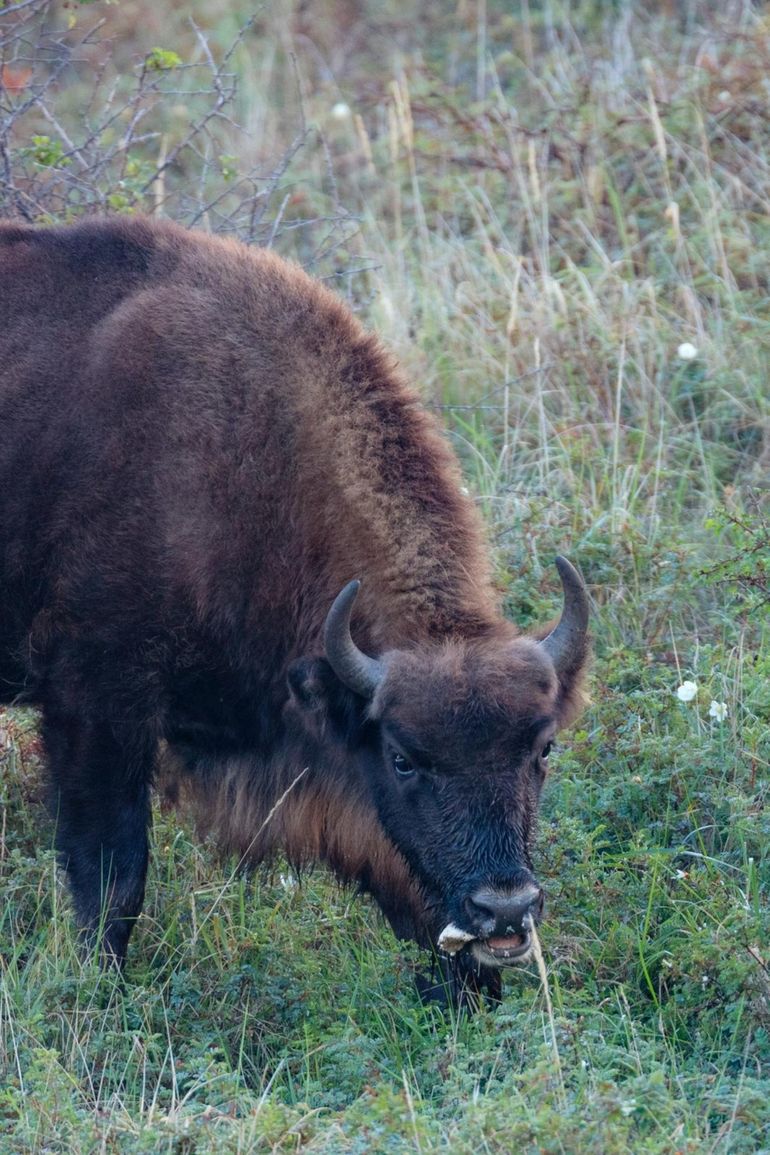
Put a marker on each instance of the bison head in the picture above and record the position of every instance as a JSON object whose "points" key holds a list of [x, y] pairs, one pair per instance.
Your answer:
{"points": [[455, 738]]}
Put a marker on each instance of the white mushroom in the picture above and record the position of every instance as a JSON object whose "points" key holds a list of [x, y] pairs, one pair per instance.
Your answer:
{"points": [[453, 939]]}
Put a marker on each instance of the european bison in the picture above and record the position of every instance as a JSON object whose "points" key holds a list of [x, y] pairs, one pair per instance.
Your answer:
{"points": [[200, 447]]}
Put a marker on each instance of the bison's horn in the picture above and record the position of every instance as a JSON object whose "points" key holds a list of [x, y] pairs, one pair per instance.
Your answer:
{"points": [[354, 668], [567, 640]]}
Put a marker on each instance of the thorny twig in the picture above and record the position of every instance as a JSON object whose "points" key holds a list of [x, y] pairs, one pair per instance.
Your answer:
{"points": [[78, 136]]}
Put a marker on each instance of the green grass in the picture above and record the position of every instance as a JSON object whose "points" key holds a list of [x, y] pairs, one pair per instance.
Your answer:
{"points": [[553, 202]]}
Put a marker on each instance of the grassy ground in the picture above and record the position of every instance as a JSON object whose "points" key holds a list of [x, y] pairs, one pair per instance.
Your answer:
{"points": [[554, 201]]}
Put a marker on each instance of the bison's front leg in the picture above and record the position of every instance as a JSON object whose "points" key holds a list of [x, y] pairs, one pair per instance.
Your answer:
{"points": [[100, 802]]}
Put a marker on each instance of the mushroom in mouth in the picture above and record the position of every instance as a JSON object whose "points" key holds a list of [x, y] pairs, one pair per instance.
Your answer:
{"points": [[452, 939]]}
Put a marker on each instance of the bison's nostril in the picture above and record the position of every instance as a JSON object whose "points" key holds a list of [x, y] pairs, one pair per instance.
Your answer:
{"points": [[497, 912], [480, 913]]}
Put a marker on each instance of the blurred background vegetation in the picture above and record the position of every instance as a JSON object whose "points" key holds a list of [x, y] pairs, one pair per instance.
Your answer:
{"points": [[556, 215]]}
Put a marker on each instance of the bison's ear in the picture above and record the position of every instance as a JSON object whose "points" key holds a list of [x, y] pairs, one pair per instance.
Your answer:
{"points": [[323, 701]]}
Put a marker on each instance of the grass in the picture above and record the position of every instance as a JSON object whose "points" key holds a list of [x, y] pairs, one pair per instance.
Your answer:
{"points": [[551, 200]]}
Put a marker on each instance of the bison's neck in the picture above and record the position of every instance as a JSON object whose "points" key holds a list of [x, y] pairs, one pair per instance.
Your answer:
{"points": [[382, 501]]}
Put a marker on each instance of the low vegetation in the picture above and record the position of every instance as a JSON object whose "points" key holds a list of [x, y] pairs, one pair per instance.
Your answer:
{"points": [[557, 217]]}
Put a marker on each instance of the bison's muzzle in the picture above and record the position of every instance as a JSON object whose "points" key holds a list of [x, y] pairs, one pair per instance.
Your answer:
{"points": [[503, 922]]}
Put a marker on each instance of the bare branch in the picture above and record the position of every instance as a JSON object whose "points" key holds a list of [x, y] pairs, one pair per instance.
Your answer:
{"points": [[78, 135]]}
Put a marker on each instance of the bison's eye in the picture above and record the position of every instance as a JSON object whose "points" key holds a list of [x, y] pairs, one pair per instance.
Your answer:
{"points": [[401, 765], [546, 750]]}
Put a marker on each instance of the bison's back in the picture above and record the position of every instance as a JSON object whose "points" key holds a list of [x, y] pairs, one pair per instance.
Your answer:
{"points": [[132, 414]]}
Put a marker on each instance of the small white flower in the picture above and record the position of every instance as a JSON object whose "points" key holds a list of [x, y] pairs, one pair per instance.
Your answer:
{"points": [[687, 691], [686, 352], [341, 111], [718, 710]]}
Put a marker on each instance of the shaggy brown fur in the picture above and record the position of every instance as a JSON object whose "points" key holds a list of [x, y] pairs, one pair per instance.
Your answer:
{"points": [[201, 446]]}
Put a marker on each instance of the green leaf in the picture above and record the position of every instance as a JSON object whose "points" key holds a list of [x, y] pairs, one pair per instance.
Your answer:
{"points": [[161, 60]]}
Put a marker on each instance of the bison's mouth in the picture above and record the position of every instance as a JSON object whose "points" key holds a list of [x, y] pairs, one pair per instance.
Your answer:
{"points": [[510, 951], [498, 951]]}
